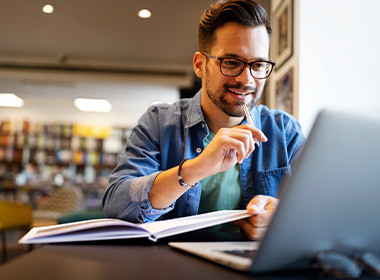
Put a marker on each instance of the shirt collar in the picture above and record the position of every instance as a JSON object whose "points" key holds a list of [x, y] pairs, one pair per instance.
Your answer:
{"points": [[195, 114]]}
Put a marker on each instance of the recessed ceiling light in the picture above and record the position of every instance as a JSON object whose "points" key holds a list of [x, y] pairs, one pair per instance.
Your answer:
{"points": [[144, 13], [10, 100], [93, 105], [48, 9]]}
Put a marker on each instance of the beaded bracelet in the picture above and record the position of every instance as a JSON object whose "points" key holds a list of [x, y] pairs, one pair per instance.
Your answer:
{"points": [[180, 180]]}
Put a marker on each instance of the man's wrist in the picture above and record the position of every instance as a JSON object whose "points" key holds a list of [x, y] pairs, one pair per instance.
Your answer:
{"points": [[191, 172], [180, 179]]}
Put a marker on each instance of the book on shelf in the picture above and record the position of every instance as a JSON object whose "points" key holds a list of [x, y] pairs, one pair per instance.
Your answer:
{"points": [[107, 229]]}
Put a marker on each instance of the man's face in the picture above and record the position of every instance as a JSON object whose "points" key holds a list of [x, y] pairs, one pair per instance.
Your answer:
{"points": [[243, 42]]}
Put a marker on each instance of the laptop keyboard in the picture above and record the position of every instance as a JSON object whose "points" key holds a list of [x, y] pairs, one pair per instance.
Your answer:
{"points": [[250, 253]]}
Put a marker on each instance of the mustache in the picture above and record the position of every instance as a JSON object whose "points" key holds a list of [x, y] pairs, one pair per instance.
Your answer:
{"points": [[240, 87]]}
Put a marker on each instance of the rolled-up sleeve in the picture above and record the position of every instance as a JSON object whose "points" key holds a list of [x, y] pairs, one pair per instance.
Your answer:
{"points": [[128, 199]]}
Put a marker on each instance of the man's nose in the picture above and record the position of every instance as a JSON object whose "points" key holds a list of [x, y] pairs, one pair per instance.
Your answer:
{"points": [[245, 76]]}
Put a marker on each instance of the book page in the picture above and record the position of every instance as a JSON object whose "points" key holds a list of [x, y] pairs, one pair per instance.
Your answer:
{"points": [[105, 229], [170, 227], [96, 229]]}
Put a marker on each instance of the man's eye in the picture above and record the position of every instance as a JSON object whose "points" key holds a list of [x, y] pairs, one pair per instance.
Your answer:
{"points": [[259, 66], [231, 63]]}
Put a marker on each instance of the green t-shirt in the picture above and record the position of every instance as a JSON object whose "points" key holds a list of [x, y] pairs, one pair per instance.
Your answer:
{"points": [[221, 191]]}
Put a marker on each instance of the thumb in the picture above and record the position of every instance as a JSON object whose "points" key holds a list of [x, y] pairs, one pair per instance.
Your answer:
{"points": [[257, 204]]}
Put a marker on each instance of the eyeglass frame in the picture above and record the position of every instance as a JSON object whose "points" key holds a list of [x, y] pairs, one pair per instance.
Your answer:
{"points": [[245, 64], [343, 265]]}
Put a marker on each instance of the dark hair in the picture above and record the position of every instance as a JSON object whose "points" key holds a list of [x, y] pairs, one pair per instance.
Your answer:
{"points": [[246, 12]]}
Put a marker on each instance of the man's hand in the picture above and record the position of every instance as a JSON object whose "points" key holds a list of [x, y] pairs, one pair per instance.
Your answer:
{"points": [[229, 146], [262, 207]]}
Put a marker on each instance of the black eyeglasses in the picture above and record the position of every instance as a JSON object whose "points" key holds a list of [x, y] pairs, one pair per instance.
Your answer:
{"points": [[232, 67], [342, 265]]}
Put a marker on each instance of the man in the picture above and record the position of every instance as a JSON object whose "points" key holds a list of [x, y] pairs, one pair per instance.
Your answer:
{"points": [[199, 155]]}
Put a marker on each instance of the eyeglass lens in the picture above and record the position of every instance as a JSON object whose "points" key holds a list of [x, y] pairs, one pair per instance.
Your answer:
{"points": [[371, 262], [337, 264], [344, 266]]}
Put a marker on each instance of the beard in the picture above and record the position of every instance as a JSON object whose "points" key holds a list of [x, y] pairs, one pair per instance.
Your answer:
{"points": [[218, 97]]}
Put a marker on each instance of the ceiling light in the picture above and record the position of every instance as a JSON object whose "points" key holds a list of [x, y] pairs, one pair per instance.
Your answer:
{"points": [[93, 105], [144, 13], [48, 9], [10, 100]]}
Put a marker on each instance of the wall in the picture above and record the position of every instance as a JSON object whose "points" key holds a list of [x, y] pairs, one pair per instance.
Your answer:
{"points": [[339, 57]]}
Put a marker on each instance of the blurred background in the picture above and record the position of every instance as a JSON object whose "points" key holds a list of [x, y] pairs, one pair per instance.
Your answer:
{"points": [[122, 56]]}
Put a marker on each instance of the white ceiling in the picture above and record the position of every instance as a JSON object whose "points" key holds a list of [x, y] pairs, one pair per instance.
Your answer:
{"points": [[100, 31]]}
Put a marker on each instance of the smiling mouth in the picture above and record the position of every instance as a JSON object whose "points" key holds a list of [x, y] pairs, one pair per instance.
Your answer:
{"points": [[241, 93]]}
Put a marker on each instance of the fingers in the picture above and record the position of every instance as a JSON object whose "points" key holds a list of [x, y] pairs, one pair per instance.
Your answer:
{"points": [[229, 146], [251, 232], [262, 207], [242, 139], [257, 134], [262, 203]]}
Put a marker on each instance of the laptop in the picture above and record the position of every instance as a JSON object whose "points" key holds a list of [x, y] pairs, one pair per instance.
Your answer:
{"points": [[331, 201]]}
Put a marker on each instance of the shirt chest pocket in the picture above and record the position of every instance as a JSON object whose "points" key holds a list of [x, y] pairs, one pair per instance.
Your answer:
{"points": [[269, 180]]}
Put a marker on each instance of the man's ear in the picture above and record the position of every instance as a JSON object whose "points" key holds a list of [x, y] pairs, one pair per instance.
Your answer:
{"points": [[198, 64]]}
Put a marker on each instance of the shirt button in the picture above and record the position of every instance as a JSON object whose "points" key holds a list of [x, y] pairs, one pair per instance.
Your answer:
{"points": [[198, 150]]}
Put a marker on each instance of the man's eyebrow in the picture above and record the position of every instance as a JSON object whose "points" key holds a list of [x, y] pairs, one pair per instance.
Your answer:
{"points": [[232, 55]]}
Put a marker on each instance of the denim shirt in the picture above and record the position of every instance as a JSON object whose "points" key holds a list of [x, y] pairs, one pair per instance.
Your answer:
{"points": [[166, 134]]}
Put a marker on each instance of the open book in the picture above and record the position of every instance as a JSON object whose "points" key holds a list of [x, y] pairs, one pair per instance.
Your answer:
{"points": [[106, 229]]}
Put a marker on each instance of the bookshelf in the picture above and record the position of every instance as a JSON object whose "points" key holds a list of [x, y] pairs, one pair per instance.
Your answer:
{"points": [[35, 158]]}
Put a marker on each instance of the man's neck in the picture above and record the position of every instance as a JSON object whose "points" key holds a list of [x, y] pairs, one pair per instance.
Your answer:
{"points": [[216, 118]]}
